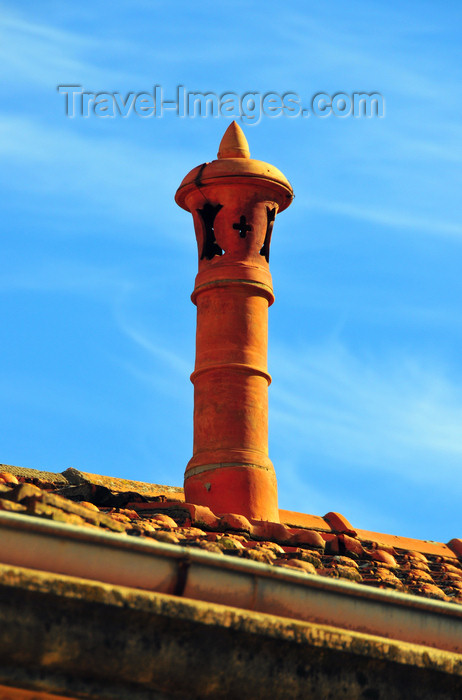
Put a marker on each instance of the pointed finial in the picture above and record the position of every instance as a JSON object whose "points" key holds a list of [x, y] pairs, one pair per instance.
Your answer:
{"points": [[233, 144]]}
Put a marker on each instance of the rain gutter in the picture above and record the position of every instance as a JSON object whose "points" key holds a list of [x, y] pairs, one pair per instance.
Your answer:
{"points": [[193, 573]]}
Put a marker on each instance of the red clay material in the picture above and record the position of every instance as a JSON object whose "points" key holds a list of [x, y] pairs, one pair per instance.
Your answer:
{"points": [[339, 523], [433, 548], [234, 201], [424, 569], [294, 519]]}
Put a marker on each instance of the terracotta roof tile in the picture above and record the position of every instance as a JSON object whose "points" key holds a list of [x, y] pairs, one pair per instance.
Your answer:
{"points": [[308, 544]]}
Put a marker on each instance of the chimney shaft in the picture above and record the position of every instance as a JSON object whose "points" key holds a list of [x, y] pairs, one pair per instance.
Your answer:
{"points": [[233, 201]]}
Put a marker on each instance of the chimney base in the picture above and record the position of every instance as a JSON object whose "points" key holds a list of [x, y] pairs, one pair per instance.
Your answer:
{"points": [[228, 486]]}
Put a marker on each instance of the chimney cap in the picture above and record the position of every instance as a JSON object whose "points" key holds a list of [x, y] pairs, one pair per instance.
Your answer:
{"points": [[235, 165], [233, 144]]}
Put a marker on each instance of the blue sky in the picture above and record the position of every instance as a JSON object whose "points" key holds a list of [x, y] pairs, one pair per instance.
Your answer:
{"points": [[97, 338]]}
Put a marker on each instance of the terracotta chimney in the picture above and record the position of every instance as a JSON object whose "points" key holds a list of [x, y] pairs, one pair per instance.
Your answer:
{"points": [[234, 201]]}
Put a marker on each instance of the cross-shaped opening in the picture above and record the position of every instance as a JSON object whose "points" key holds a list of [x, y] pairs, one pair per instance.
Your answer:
{"points": [[242, 226]]}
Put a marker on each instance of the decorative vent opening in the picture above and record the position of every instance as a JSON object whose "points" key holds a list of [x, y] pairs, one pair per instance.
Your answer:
{"points": [[270, 216], [210, 247], [242, 226]]}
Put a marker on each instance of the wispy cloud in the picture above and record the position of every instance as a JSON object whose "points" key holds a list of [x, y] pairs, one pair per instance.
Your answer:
{"points": [[345, 41], [396, 416], [163, 364], [391, 219], [169, 359], [111, 175], [61, 275], [39, 53]]}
